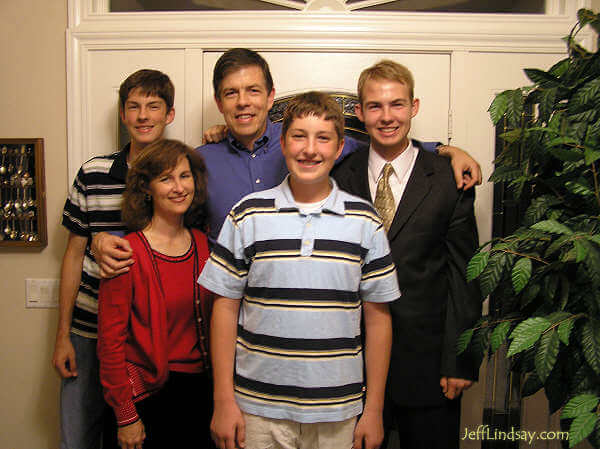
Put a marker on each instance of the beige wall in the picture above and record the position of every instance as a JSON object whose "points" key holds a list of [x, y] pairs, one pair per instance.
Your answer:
{"points": [[33, 104]]}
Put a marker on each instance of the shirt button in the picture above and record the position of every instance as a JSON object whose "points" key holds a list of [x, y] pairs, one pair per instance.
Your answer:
{"points": [[253, 155], [199, 319], [257, 180], [308, 225], [197, 301], [307, 242]]}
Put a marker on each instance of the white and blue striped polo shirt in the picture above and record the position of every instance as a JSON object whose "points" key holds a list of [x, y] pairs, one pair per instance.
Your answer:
{"points": [[302, 279]]}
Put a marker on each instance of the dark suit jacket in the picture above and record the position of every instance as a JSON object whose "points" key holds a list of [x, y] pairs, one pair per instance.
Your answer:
{"points": [[432, 238]]}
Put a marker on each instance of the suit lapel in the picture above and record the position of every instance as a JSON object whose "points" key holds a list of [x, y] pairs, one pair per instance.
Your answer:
{"points": [[358, 177], [417, 188]]}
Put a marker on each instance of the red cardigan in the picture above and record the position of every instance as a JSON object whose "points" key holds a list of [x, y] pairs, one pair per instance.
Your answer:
{"points": [[132, 328]]}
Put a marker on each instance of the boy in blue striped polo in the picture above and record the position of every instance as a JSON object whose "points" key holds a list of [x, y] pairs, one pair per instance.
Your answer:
{"points": [[294, 267]]}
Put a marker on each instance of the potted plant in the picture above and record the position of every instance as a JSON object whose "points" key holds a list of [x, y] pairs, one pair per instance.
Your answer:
{"points": [[545, 277]]}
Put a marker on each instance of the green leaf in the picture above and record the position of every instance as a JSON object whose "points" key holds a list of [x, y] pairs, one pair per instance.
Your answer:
{"points": [[566, 155], [498, 107], [477, 264], [547, 102], [592, 263], [540, 77], [579, 188], [490, 277], [504, 174], [594, 238], [590, 344], [557, 244], [526, 334], [562, 140], [585, 117], [565, 287], [530, 294], [521, 273], [586, 97], [553, 227], [581, 251], [564, 330], [560, 68], [550, 286], [591, 155], [579, 405], [499, 335], [581, 427], [538, 207], [512, 136], [463, 341], [546, 354], [514, 108]]}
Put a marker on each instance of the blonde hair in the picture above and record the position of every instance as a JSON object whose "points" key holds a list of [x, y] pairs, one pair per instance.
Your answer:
{"points": [[386, 70]]}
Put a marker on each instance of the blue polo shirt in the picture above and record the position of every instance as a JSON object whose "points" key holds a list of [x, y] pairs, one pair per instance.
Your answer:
{"points": [[234, 171], [302, 279]]}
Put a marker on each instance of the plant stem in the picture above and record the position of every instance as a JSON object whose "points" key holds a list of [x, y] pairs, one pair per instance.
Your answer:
{"points": [[537, 259], [596, 189]]}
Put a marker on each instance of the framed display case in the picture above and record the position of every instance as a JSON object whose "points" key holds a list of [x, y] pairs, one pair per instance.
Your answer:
{"points": [[22, 194]]}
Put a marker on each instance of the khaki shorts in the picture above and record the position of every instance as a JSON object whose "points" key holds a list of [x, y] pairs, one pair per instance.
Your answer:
{"points": [[268, 433]]}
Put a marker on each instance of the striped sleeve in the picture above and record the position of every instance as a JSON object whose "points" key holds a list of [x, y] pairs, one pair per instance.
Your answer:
{"points": [[75, 213], [226, 271], [379, 282]]}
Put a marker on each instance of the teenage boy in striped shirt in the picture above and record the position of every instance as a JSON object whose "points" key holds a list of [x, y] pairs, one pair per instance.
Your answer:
{"points": [[297, 264], [94, 205]]}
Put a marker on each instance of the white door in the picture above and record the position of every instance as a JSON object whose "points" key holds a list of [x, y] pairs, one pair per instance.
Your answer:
{"points": [[295, 72]]}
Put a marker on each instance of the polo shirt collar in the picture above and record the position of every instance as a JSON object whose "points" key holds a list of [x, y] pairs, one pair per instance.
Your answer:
{"points": [[334, 202], [260, 144], [119, 168]]}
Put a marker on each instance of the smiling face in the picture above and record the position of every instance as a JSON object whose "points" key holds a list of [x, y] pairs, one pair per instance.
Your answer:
{"points": [[244, 101], [172, 191], [310, 147], [145, 117], [387, 110]]}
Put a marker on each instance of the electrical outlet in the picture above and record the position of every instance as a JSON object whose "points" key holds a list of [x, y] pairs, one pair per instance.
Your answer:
{"points": [[41, 293]]}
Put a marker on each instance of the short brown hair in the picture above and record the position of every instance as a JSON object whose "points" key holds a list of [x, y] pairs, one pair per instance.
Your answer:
{"points": [[233, 60], [150, 82], [314, 103], [155, 159], [386, 70]]}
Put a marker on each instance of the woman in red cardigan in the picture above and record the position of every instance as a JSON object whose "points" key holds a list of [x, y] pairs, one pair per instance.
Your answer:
{"points": [[153, 320]]}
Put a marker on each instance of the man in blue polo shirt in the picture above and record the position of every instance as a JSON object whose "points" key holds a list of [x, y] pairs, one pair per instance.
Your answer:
{"points": [[249, 159]]}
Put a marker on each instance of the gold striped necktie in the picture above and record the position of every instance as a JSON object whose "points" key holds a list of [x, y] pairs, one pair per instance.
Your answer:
{"points": [[384, 199]]}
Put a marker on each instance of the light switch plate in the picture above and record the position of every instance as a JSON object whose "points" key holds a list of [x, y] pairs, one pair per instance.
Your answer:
{"points": [[41, 293]]}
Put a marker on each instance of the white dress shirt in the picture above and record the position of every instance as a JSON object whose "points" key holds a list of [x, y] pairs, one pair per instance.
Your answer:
{"points": [[403, 166]]}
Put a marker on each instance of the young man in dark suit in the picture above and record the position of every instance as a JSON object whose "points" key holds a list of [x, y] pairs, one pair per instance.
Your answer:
{"points": [[432, 233]]}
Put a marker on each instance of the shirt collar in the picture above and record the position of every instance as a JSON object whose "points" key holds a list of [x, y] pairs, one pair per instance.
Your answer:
{"points": [[400, 164], [261, 142], [334, 202], [119, 168]]}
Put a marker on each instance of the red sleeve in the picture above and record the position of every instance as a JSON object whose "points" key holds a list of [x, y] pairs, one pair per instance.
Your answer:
{"points": [[114, 309]]}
